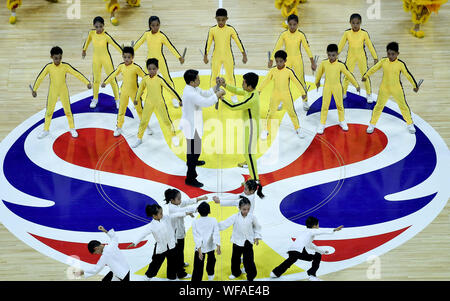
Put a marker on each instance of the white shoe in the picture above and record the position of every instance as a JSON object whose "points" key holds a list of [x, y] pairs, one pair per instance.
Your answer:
{"points": [[117, 103], [369, 98], [305, 106], [272, 275], [186, 264], [243, 271], [313, 278], [147, 278], [345, 96], [280, 107], [175, 103], [211, 277], [264, 135], [74, 133], [149, 131], [93, 103], [300, 134], [231, 277], [117, 132], [411, 128], [137, 143], [320, 129], [343, 125], [175, 141], [43, 134], [370, 128], [234, 99]]}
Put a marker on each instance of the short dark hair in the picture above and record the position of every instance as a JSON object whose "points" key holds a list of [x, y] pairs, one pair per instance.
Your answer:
{"points": [[128, 49], [56, 50], [281, 54], [311, 221], [98, 19], [221, 12], [170, 194], [355, 16], [292, 17], [190, 75], [392, 46], [204, 209], [152, 61], [244, 201], [153, 18], [92, 245], [152, 209], [332, 48], [251, 79]]}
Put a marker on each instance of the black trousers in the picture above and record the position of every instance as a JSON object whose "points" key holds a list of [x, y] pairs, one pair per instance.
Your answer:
{"points": [[110, 276], [248, 259], [194, 149], [157, 261], [179, 258], [294, 256], [197, 274]]}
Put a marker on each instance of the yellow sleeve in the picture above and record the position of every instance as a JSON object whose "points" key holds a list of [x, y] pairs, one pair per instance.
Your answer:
{"points": [[141, 89], [139, 42], [305, 44], [373, 69], [342, 42], [320, 72], [140, 71], [76, 73], [235, 90], [245, 104], [166, 41], [349, 75], [370, 46], [296, 81], [208, 41], [113, 42], [88, 41], [236, 38], [169, 89], [408, 74], [278, 45], [113, 74], [41, 77], [267, 80]]}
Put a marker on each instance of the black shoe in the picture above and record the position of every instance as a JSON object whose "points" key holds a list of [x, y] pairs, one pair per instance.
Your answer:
{"points": [[200, 163], [194, 183]]}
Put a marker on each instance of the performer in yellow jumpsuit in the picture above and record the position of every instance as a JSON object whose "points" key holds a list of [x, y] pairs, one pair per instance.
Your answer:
{"points": [[392, 86], [420, 13], [282, 76], [130, 72], [222, 34], [156, 39], [101, 58], [293, 39], [250, 115], [332, 68], [58, 88], [357, 39], [154, 102]]}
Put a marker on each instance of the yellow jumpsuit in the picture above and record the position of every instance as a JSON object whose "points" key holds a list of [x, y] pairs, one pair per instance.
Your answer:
{"points": [[128, 89], [293, 43], [282, 93], [155, 103], [58, 89], [391, 86], [155, 43], [222, 53], [356, 53], [102, 58], [333, 86]]}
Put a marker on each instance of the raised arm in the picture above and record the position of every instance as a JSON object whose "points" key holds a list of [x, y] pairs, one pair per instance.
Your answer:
{"points": [[227, 223]]}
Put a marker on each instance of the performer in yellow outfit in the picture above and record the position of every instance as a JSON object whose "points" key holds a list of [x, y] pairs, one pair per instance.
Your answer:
{"points": [[250, 115], [12, 5], [154, 102], [282, 76], [392, 86], [58, 88], [332, 68], [130, 72], [420, 13], [293, 39], [156, 39], [101, 58], [222, 34], [357, 39], [112, 6]]}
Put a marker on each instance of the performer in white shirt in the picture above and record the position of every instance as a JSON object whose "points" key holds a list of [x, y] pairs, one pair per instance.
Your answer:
{"points": [[246, 231], [303, 247], [191, 123], [251, 188], [207, 239], [111, 256], [178, 210]]}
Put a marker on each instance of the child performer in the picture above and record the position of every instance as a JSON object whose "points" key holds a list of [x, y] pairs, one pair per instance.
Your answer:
{"points": [[300, 247], [101, 58], [251, 187], [332, 68], [156, 39], [130, 72], [206, 238], [282, 76], [246, 232], [392, 86], [357, 39], [293, 39], [221, 34], [154, 102], [58, 88]]}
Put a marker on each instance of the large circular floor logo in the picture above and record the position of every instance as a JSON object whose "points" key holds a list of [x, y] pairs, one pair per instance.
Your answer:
{"points": [[384, 187]]}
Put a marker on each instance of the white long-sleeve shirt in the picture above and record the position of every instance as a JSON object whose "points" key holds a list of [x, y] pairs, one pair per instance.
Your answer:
{"points": [[206, 233], [194, 99], [111, 257], [305, 238], [244, 228], [233, 200], [163, 233], [177, 214]]}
